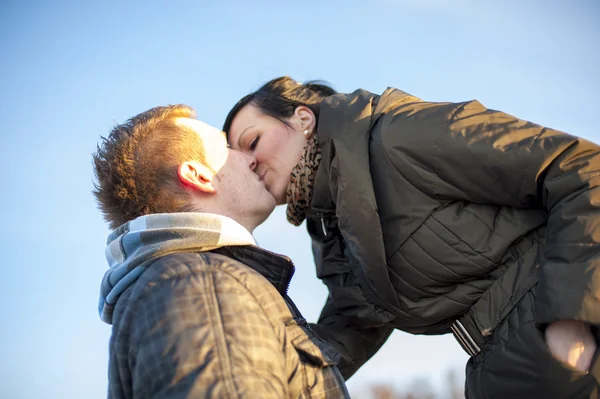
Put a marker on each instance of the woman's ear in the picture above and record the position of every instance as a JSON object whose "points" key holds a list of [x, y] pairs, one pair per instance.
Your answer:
{"points": [[306, 118], [197, 176]]}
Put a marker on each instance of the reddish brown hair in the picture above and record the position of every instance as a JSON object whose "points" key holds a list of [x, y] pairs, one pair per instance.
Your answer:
{"points": [[136, 165]]}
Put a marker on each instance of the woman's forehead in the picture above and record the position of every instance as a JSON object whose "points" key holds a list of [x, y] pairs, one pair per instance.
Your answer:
{"points": [[248, 117]]}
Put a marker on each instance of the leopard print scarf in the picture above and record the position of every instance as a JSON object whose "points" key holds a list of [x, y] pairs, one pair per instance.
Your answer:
{"points": [[300, 187]]}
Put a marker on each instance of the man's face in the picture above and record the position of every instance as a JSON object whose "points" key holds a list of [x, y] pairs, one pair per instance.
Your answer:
{"points": [[237, 186]]}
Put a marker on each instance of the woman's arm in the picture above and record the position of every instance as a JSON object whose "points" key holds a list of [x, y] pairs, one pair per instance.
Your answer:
{"points": [[349, 320], [490, 157], [355, 344], [467, 152]]}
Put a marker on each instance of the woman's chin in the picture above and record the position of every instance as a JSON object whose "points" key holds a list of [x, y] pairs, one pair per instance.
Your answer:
{"points": [[279, 192], [280, 198]]}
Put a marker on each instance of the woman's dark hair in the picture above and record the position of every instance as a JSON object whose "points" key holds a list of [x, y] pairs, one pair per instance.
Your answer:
{"points": [[280, 97]]}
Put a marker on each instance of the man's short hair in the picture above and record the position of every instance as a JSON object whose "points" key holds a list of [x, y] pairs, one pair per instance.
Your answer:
{"points": [[136, 166]]}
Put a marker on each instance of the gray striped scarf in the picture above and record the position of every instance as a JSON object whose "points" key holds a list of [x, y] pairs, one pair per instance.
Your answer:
{"points": [[132, 246]]}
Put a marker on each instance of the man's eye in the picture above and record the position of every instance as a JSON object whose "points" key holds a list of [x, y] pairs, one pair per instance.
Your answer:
{"points": [[254, 143]]}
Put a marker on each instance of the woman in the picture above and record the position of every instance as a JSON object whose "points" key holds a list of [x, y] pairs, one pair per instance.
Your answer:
{"points": [[437, 217]]}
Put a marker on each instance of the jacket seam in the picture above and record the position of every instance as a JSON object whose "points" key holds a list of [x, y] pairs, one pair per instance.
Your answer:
{"points": [[445, 294], [472, 262], [416, 270], [464, 242], [246, 289], [401, 244], [420, 272], [492, 229], [219, 333], [428, 254], [455, 112], [535, 139]]}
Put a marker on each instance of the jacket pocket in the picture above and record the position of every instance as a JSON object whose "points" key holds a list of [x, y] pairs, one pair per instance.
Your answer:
{"points": [[315, 351], [311, 349], [506, 292], [315, 374]]}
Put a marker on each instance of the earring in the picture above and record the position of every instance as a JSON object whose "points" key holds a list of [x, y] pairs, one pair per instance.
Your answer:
{"points": [[307, 133]]}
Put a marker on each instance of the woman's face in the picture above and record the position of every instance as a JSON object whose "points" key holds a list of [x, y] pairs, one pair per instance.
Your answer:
{"points": [[276, 146]]}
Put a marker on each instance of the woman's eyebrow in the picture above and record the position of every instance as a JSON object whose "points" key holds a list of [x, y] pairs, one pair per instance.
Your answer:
{"points": [[239, 143]]}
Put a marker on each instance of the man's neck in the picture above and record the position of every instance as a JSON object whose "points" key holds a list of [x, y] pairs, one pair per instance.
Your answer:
{"points": [[246, 222]]}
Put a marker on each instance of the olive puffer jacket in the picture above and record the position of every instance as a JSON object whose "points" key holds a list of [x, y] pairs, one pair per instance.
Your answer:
{"points": [[428, 217]]}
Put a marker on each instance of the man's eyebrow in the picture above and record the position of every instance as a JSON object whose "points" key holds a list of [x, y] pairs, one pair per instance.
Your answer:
{"points": [[241, 134]]}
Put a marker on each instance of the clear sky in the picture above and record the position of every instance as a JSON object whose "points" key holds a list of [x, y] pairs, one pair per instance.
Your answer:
{"points": [[70, 70]]}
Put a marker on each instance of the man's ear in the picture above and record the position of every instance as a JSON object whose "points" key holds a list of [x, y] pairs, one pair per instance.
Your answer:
{"points": [[197, 176]]}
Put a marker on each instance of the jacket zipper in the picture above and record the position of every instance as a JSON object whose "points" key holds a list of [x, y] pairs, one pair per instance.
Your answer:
{"points": [[298, 316], [323, 224]]}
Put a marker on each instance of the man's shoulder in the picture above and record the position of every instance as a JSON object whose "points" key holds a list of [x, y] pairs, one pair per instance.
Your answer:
{"points": [[185, 277], [182, 271], [180, 264]]}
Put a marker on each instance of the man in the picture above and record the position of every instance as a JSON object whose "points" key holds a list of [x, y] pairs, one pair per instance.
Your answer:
{"points": [[198, 310]]}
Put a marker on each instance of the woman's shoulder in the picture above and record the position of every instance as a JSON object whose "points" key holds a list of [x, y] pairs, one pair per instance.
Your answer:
{"points": [[366, 102]]}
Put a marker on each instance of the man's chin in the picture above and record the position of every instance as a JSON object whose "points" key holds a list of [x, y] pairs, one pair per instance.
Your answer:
{"points": [[269, 210], [266, 212]]}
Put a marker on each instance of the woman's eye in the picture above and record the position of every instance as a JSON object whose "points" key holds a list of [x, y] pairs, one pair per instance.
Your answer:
{"points": [[254, 143]]}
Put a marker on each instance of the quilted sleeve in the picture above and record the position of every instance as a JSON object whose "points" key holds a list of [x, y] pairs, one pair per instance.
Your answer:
{"points": [[465, 151]]}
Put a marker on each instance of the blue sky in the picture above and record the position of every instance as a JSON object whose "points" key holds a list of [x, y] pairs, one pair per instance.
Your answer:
{"points": [[69, 71]]}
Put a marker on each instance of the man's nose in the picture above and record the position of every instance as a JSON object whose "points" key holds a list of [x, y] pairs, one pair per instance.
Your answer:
{"points": [[251, 161]]}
